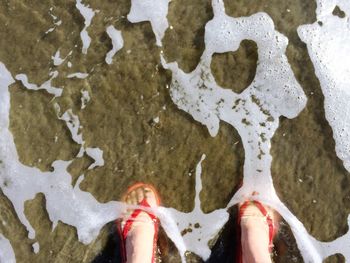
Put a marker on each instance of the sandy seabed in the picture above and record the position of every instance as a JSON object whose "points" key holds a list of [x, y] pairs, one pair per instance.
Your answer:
{"points": [[128, 95]]}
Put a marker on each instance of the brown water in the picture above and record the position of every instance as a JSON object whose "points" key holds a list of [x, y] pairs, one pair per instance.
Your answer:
{"points": [[307, 174]]}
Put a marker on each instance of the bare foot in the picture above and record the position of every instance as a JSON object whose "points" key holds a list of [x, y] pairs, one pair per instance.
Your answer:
{"points": [[141, 229], [256, 232]]}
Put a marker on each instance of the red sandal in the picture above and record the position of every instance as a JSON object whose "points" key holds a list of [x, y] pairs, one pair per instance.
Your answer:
{"points": [[272, 229], [123, 231]]}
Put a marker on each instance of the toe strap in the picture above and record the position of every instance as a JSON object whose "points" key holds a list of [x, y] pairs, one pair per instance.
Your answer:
{"points": [[130, 221]]}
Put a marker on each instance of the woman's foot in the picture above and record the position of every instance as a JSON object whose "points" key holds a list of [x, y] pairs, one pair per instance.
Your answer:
{"points": [[258, 225], [139, 229]]}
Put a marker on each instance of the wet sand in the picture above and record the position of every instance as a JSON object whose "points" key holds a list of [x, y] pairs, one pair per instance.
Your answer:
{"points": [[130, 93]]}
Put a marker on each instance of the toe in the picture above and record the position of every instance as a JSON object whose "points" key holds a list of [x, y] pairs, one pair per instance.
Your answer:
{"points": [[133, 197], [140, 194], [128, 200], [150, 197]]}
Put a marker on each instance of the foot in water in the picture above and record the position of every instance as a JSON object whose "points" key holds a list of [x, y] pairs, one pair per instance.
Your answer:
{"points": [[138, 228], [258, 225]]}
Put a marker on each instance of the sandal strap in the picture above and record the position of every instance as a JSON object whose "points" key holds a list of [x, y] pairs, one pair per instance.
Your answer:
{"points": [[130, 221], [128, 224]]}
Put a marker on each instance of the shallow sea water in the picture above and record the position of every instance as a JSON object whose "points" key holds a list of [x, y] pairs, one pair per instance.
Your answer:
{"points": [[126, 98]]}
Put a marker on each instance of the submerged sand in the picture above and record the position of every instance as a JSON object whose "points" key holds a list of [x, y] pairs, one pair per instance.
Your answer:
{"points": [[126, 98]]}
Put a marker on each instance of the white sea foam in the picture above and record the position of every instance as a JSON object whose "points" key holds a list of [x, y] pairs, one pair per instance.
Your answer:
{"points": [[97, 155], [78, 75], [197, 227], [88, 13], [57, 60], [154, 11], [117, 42], [85, 98], [274, 92], [50, 30], [73, 125], [56, 22], [328, 43], [71, 205], [63, 202], [254, 113], [6, 252], [57, 92], [36, 247], [329, 48], [156, 119]]}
